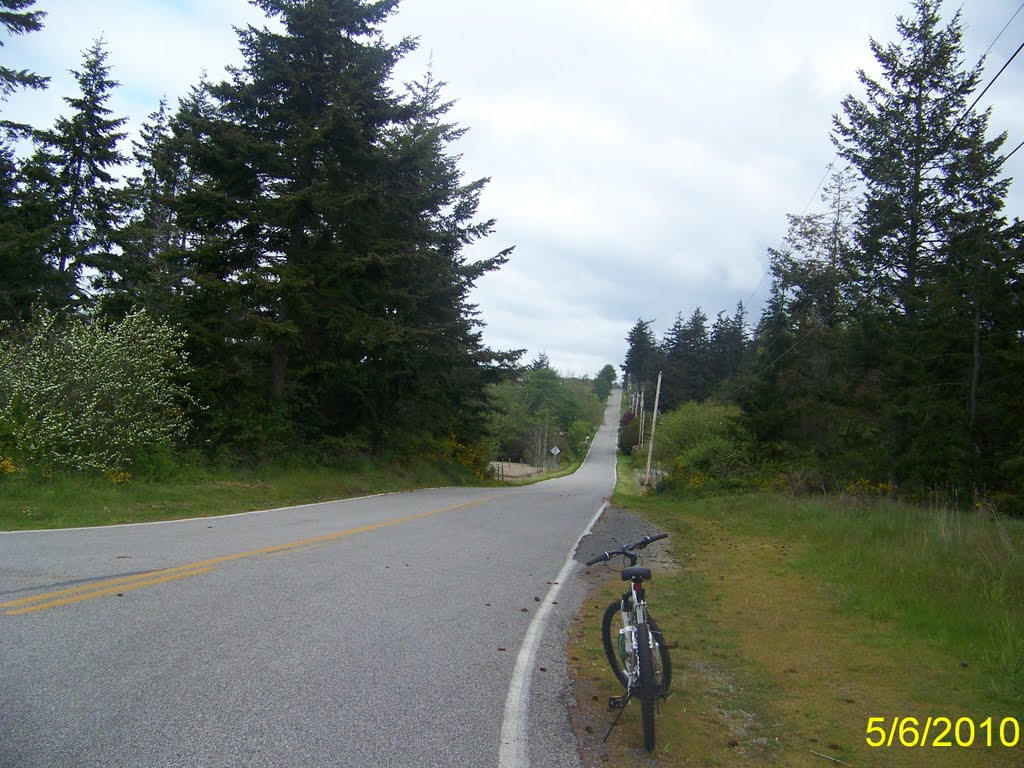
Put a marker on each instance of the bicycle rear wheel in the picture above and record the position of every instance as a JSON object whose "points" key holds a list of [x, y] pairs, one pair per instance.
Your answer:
{"points": [[612, 650], [648, 688]]}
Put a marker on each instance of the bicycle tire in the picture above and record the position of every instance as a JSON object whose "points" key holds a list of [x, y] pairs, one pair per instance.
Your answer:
{"points": [[648, 688], [611, 650]]}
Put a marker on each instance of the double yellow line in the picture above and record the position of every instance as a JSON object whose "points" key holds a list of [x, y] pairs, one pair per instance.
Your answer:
{"points": [[124, 584]]}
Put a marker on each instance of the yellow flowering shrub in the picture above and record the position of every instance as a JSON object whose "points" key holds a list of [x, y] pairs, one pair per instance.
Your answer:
{"points": [[866, 489], [117, 476]]}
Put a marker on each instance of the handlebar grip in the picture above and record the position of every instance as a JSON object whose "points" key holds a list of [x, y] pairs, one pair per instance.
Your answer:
{"points": [[657, 537], [600, 558]]}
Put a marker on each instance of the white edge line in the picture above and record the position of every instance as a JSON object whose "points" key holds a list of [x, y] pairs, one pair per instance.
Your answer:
{"points": [[513, 751]]}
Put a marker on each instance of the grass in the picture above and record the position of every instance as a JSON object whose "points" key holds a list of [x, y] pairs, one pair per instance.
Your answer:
{"points": [[799, 619], [28, 502], [950, 579], [33, 502]]}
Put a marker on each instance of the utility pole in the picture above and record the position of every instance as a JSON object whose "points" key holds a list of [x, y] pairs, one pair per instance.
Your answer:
{"points": [[654, 425], [642, 420]]}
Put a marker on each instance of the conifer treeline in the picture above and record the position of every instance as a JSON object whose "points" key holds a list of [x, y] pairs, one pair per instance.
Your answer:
{"points": [[892, 345], [301, 221]]}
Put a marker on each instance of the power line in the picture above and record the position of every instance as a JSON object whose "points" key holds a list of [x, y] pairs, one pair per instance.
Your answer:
{"points": [[984, 91], [1011, 153], [820, 183], [1005, 27]]}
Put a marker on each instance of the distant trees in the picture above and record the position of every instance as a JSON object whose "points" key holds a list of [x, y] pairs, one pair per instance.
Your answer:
{"points": [[693, 359], [643, 358], [538, 410], [604, 381]]}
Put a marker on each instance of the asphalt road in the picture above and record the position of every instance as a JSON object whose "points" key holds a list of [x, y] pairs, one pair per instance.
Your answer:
{"points": [[418, 629]]}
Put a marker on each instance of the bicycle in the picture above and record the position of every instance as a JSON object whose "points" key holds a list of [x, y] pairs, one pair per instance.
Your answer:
{"points": [[639, 653]]}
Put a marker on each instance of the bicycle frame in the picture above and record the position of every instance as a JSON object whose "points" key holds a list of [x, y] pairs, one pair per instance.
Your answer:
{"points": [[633, 613]]}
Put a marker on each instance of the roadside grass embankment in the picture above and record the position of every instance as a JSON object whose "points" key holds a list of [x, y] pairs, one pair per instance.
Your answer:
{"points": [[799, 618], [35, 502], [32, 501]]}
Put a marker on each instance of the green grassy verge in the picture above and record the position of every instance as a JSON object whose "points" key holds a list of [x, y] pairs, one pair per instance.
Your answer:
{"points": [[942, 578], [32, 502], [800, 618], [63, 502]]}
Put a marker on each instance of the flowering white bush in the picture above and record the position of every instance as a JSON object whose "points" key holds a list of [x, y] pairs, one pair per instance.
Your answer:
{"points": [[79, 393]]}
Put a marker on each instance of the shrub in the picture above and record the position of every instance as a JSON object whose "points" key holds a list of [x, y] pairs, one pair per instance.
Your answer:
{"points": [[83, 394], [704, 448], [629, 433]]}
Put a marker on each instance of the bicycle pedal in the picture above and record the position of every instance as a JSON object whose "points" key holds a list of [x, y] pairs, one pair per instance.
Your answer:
{"points": [[616, 702]]}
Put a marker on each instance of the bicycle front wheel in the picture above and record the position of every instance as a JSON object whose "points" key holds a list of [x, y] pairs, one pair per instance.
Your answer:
{"points": [[648, 687], [615, 653]]}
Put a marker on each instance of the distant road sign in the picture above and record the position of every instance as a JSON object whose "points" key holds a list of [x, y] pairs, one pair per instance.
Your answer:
{"points": [[555, 451]]}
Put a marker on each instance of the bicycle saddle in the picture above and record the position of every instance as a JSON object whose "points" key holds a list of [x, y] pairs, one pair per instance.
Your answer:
{"points": [[635, 570]]}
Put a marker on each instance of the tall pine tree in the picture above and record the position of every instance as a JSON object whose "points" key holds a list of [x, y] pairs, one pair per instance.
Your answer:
{"points": [[643, 358], [24, 276], [328, 283], [70, 182], [930, 272]]}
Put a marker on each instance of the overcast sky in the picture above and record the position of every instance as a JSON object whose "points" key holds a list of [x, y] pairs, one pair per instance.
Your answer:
{"points": [[642, 156]]}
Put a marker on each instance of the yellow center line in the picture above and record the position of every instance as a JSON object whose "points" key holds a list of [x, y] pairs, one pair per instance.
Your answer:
{"points": [[126, 583], [107, 591]]}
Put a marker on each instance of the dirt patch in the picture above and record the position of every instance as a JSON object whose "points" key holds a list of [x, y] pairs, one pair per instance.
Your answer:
{"points": [[767, 672], [512, 469]]}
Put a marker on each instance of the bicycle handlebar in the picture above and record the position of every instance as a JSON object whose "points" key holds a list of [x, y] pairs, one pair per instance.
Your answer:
{"points": [[628, 549]]}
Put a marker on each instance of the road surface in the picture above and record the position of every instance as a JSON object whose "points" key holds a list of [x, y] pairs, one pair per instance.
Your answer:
{"points": [[417, 629]]}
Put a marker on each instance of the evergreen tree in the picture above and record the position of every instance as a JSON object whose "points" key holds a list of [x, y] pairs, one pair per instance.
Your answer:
{"points": [[292, 162], [812, 390], [728, 345], [643, 358], [70, 181], [686, 349], [437, 371], [931, 270], [902, 229], [160, 236], [24, 276], [604, 382], [18, 19], [149, 233], [329, 225], [539, 362]]}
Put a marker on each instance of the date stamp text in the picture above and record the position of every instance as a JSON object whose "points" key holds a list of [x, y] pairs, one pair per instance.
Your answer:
{"points": [[942, 732]]}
